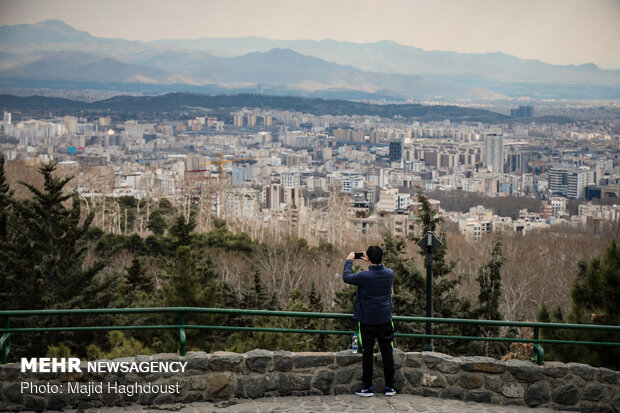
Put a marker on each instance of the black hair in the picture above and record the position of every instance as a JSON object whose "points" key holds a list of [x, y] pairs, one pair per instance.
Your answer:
{"points": [[374, 254]]}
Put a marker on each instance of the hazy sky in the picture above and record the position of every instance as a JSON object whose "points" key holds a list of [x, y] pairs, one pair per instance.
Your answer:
{"points": [[554, 31]]}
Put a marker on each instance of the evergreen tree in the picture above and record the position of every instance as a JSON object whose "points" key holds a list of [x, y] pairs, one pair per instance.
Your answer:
{"points": [[6, 201], [490, 280], [181, 231], [157, 223], [594, 300], [50, 249], [427, 217], [137, 278], [45, 264]]}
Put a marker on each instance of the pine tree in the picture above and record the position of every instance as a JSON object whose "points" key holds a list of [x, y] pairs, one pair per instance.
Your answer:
{"points": [[427, 217], [45, 264], [157, 223], [50, 249], [6, 201], [137, 277], [594, 300], [490, 280], [181, 231]]}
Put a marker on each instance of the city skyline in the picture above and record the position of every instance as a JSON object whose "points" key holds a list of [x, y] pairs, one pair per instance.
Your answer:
{"points": [[557, 32]]}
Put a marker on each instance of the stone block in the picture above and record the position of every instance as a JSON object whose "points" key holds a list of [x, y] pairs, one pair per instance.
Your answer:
{"points": [[196, 360], [258, 360], [345, 358], [615, 402], [433, 380], [471, 381], [226, 361], [493, 383], [271, 383], [589, 407], [35, 403], [57, 401], [163, 399], [555, 369], [283, 360], [426, 392], [431, 358], [284, 388], [254, 386], [513, 390], [452, 392], [414, 377], [311, 360], [301, 381], [525, 371], [192, 396], [399, 380], [480, 396], [10, 372], [344, 376], [413, 360], [607, 376], [449, 365], [482, 364], [583, 370], [12, 393], [593, 392], [568, 394], [220, 386], [452, 379], [198, 382], [323, 381], [240, 388], [537, 394]]}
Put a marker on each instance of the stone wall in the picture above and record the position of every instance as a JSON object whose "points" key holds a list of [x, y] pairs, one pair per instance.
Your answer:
{"points": [[259, 373]]}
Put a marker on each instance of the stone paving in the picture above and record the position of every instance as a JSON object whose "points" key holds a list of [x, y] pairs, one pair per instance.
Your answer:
{"points": [[316, 404]]}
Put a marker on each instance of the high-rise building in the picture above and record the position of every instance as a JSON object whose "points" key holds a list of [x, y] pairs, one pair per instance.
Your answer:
{"points": [[569, 182], [70, 124], [522, 112], [291, 179], [514, 162], [238, 119], [494, 152], [267, 120], [396, 151], [251, 118]]}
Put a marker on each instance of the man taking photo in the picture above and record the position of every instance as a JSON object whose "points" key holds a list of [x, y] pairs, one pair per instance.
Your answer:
{"points": [[373, 313]]}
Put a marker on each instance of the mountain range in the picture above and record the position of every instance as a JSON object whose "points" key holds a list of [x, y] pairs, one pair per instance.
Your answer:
{"points": [[185, 102], [53, 55]]}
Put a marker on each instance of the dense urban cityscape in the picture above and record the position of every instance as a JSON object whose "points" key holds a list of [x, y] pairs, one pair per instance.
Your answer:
{"points": [[283, 172]]}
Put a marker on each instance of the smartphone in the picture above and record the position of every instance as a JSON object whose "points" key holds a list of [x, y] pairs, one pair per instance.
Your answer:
{"points": [[359, 255]]}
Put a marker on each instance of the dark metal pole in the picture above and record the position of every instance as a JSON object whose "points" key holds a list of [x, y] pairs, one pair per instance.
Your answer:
{"points": [[428, 346]]}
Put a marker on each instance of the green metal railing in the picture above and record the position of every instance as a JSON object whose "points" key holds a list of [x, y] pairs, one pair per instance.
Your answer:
{"points": [[182, 326]]}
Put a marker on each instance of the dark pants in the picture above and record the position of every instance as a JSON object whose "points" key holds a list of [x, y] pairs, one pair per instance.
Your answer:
{"points": [[384, 334]]}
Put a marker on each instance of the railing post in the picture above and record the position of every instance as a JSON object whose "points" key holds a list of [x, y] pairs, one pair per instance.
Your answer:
{"points": [[5, 348], [182, 337], [539, 353]]}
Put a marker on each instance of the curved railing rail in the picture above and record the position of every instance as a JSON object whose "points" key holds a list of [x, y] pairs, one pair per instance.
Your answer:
{"points": [[182, 326]]}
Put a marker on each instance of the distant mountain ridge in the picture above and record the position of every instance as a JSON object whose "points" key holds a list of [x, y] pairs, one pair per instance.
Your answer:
{"points": [[53, 55], [183, 101]]}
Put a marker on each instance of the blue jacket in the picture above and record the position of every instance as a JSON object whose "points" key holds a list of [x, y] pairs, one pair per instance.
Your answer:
{"points": [[373, 302]]}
